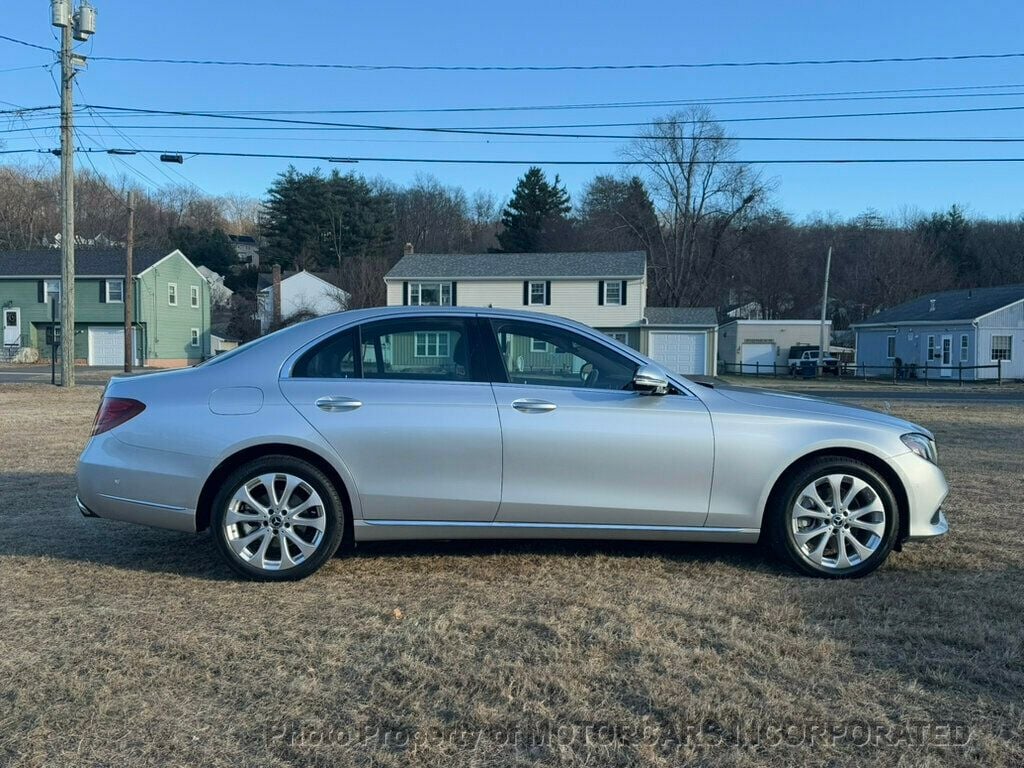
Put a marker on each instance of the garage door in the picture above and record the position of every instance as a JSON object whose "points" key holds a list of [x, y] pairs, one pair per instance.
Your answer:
{"points": [[758, 353], [106, 345], [680, 351]]}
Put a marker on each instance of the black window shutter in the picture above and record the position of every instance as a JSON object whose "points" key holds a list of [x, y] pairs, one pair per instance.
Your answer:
{"points": [[103, 291], [600, 293], [624, 293], [526, 293], [42, 291], [455, 302], [405, 293], [547, 293]]}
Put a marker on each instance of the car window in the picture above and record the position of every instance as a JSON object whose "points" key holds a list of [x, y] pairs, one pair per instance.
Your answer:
{"points": [[419, 348], [334, 358], [539, 354]]}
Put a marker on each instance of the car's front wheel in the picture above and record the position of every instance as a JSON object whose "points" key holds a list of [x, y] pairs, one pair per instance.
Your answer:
{"points": [[835, 518], [277, 518]]}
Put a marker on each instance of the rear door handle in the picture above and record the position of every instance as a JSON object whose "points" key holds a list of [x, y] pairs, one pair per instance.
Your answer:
{"points": [[530, 405], [333, 404]]}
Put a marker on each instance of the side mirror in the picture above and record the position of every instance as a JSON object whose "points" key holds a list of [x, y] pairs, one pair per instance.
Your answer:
{"points": [[648, 380]]}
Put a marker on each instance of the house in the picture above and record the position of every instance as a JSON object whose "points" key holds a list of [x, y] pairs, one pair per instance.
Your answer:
{"points": [[302, 294], [949, 330], [743, 345], [247, 249], [607, 291], [220, 294], [171, 312]]}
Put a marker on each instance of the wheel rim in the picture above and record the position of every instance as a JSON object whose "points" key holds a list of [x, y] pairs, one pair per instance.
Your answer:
{"points": [[275, 521], [838, 521]]}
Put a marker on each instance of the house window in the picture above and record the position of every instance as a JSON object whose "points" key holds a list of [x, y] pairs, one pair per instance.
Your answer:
{"points": [[890, 347], [430, 294], [613, 292], [620, 336], [115, 291], [172, 294], [963, 348], [538, 293], [1002, 348], [432, 344], [931, 349], [51, 291], [194, 295], [538, 345], [195, 337]]}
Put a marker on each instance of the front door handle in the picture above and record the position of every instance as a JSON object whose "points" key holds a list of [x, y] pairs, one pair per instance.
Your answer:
{"points": [[530, 405], [333, 404]]}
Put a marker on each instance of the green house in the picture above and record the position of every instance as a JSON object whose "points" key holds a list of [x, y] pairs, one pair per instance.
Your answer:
{"points": [[171, 325]]}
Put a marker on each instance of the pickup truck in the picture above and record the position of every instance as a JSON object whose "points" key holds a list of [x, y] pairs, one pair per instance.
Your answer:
{"points": [[798, 355]]}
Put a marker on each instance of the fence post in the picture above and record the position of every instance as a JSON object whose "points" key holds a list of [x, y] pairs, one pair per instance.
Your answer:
{"points": [[926, 373], [999, 371], [894, 373], [757, 368], [863, 372], [960, 372]]}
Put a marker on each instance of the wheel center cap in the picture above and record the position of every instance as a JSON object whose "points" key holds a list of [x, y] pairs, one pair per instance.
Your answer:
{"points": [[837, 519], [275, 521]]}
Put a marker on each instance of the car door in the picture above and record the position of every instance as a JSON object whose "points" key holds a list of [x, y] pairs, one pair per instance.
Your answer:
{"points": [[401, 402], [580, 447]]}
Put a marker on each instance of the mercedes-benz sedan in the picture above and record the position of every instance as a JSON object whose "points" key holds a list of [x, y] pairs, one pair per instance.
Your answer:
{"points": [[451, 423]]}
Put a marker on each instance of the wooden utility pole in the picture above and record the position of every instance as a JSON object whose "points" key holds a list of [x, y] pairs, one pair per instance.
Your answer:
{"points": [[824, 345], [67, 197], [128, 294]]}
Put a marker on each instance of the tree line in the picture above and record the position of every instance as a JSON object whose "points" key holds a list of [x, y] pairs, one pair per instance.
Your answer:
{"points": [[713, 228]]}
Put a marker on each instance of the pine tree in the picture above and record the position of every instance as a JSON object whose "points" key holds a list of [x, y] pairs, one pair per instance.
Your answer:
{"points": [[536, 217]]}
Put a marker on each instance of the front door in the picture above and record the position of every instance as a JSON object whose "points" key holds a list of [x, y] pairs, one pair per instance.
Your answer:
{"points": [[414, 422], [579, 447], [12, 326], [947, 356]]}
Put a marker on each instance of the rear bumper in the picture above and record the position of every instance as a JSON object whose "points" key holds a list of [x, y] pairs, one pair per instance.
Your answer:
{"points": [[139, 485]]}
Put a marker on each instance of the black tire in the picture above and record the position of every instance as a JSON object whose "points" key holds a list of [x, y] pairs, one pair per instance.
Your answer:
{"points": [[334, 517], [778, 526]]}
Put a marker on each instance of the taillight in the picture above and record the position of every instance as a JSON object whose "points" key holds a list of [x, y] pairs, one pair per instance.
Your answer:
{"points": [[115, 411]]}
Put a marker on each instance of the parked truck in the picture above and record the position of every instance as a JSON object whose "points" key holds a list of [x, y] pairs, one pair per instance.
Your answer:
{"points": [[802, 355]]}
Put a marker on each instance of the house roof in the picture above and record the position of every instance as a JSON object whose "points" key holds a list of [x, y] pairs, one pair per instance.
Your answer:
{"points": [[520, 265], [265, 280], [966, 304], [705, 316], [89, 262]]}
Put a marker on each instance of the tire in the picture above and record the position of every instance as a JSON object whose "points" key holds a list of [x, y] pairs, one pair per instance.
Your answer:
{"points": [[809, 538], [284, 537]]}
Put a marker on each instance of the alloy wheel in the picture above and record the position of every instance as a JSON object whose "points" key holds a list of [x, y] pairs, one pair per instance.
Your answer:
{"points": [[838, 521], [275, 521]]}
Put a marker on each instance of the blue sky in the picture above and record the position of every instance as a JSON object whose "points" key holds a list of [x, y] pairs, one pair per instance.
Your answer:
{"points": [[546, 33]]}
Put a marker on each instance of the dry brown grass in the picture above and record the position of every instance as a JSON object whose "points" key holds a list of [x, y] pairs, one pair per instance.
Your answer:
{"points": [[126, 646]]}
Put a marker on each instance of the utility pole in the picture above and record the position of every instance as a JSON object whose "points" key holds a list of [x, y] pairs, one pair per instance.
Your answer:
{"points": [[824, 345], [73, 26], [128, 294]]}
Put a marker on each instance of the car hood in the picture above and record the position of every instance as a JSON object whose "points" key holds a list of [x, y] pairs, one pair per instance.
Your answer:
{"points": [[815, 407]]}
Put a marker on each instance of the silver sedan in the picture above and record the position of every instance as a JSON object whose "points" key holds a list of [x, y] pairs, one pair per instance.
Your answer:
{"points": [[457, 423]]}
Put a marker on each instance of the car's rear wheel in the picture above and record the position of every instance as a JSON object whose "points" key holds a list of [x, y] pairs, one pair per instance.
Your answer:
{"points": [[277, 518], [835, 518]]}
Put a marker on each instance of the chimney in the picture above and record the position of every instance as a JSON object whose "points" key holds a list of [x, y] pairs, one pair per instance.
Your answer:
{"points": [[931, 305], [276, 294], [408, 250]]}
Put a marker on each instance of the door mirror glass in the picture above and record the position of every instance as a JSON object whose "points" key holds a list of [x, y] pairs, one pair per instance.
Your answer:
{"points": [[648, 380]]}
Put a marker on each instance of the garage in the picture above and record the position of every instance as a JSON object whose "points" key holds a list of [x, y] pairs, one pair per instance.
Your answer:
{"points": [[680, 351], [758, 353], [106, 345]]}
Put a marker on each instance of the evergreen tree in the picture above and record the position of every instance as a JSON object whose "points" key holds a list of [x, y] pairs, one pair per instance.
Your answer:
{"points": [[536, 218], [618, 215]]}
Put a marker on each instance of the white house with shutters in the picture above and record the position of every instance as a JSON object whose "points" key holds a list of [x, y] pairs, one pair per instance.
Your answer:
{"points": [[607, 291]]}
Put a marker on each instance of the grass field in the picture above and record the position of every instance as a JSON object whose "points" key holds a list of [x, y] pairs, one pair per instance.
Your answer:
{"points": [[125, 646]]}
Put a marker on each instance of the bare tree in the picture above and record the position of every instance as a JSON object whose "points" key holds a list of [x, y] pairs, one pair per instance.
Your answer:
{"points": [[699, 193]]}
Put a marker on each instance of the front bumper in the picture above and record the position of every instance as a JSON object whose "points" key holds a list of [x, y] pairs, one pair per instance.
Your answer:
{"points": [[926, 489], [117, 481]]}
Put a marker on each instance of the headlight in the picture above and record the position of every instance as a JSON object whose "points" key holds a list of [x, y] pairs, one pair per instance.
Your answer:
{"points": [[922, 445]]}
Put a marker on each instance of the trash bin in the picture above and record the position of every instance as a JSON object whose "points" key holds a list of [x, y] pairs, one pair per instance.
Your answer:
{"points": [[808, 369]]}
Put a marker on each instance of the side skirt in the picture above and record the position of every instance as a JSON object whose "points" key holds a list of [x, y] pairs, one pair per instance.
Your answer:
{"points": [[392, 530]]}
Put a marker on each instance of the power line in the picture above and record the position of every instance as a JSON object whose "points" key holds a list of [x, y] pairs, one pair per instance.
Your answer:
{"points": [[27, 44], [557, 67]]}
